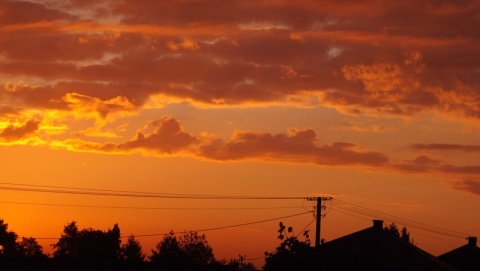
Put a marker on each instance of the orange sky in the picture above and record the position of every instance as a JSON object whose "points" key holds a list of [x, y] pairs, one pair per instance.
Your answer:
{"points": [[375, 103]]}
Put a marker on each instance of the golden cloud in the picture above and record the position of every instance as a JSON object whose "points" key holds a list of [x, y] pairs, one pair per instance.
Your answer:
{"points": [[16, 132], [298, 146]]}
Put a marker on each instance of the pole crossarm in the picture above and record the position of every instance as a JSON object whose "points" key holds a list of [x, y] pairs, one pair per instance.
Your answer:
{"points": [[315, 198]]}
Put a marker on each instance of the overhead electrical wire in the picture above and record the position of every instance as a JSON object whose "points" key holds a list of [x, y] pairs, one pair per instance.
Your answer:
{"points": [[336, 205], [296, 236], [205, 229], [357, 211], [152, 208], [126, 193], [404, 221], [416, 226], [339, 210], [305, 228], [228, 227], [441, 239], [397, 217]]}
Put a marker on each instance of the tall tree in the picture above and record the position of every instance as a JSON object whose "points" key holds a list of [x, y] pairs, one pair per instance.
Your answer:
{"points": [[8, 244], [168, 251], [132, 250], [189, 249], [113, 243], [88, 244], [196, 248], [66, 247]]}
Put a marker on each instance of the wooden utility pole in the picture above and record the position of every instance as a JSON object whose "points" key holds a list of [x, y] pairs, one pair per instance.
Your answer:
{"points": [[319, 219], [318, 216]]}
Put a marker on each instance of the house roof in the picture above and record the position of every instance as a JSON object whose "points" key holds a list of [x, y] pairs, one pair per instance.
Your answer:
{"points": [[466, 257], [375, 249]]}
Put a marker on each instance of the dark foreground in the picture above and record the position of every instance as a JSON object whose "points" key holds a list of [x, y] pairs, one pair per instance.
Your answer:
{"points": [[52, 265]]}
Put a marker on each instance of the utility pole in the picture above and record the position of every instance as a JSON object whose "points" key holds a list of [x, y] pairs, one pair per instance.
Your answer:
{"points": [[318, 216], [241, 257], [319, 219]]}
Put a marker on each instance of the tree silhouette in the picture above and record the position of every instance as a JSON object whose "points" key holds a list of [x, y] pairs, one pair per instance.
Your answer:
{"points": [[30, 248], [189, 249], [403, 234], [88, 245], [26, 254], [8, 244], [113, 243], [196, 248], [168, 251], [291, 254], [66, 247], [132, 250]]}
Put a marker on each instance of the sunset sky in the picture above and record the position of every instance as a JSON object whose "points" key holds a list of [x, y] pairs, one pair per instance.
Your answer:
{"points": [[374, 103]]}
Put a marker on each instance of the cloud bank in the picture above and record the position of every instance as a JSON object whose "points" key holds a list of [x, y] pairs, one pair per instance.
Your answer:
{"points": [[298, 146], [356, 57], [98, 62]]}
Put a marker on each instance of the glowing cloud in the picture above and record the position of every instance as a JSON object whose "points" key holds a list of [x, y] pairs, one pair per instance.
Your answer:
{"points": [[14, 133], [298, 146], [157, 46]]}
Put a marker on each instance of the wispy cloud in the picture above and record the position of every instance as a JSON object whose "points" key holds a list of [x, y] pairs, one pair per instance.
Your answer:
{"points": [[470, 186], [446, 147]]}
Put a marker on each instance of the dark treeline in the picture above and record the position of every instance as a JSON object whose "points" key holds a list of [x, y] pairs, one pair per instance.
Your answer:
{"points": [[92, 249]]}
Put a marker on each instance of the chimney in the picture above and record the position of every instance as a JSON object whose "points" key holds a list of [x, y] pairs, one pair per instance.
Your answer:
{"points": [[472, 241], [378, 224]]}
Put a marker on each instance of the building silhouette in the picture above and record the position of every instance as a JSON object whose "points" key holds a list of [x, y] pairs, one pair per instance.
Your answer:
{"points": [[466, 257], [375, 249]]}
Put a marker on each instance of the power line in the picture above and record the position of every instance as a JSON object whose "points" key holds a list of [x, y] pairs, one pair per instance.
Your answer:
{"points": [[397, 217], [355, 210], [412, 225], [230, 226], [151, 208], [338, 205], [127, 193], [96, 189], [333, 208], [445, 240], [403, 220], [257, 258], [415, 232], [206, 229], [302, 231]]}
